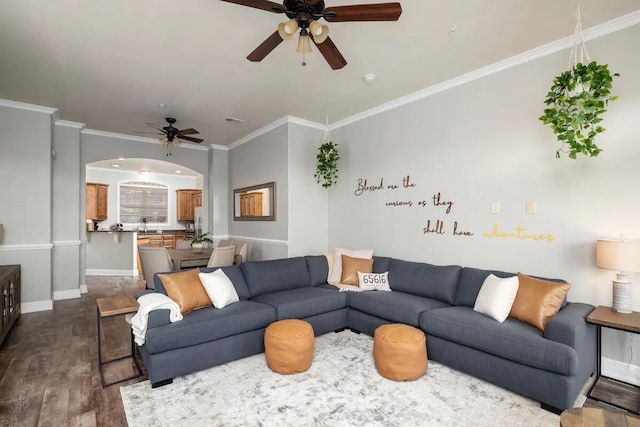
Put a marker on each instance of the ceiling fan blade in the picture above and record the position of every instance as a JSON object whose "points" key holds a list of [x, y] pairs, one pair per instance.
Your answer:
{"points": [[269, 6], [188, 138], [189, 131], [155, 126], [364, 12], [265, 47], [331, 54]]}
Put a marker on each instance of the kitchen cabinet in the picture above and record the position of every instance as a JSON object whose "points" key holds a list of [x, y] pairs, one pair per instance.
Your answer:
{"points": [[97, 198], [9, 298], [186, 201], [251, 204]]}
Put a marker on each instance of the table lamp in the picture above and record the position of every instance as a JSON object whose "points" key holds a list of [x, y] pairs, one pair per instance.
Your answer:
{"points": [[622, 256]]}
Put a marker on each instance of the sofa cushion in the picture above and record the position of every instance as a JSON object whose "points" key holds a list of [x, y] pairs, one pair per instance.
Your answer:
{"points": [[264, 277], [210, 324], [394, 306], [318, 267], [235, 275], [431, 281], [185, 288], [381, 264], [512, 340], [304, 302]]}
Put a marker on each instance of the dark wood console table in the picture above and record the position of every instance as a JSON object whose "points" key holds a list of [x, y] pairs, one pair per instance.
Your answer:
{"points": [[9, 298]]}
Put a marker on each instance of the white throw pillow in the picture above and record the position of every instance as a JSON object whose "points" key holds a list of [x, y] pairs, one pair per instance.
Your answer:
{"points": [[373, 281], [496, 297], [219, 288], [336, 270]]}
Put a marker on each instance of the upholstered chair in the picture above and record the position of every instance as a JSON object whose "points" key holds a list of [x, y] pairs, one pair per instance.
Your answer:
{"points": [[222, 256], [225, 243], [154, 260], [242, 251]]}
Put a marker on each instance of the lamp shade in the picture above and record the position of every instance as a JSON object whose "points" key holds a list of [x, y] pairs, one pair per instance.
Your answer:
{"points": [[288, 29], [618, 255], [304, 44]]}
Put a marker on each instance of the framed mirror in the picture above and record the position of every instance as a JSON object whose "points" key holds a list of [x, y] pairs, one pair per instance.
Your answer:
{"points": [[255, 203]]}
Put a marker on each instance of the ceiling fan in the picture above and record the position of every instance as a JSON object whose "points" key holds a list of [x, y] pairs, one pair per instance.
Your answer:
{"points": [[304, 15], [172, 136]]}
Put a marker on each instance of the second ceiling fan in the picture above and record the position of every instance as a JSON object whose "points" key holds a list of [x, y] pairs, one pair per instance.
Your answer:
{"points": [[304, 15]]}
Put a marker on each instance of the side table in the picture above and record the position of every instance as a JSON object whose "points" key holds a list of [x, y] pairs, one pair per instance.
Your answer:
{"points": [[111, 307], [604, 316]]}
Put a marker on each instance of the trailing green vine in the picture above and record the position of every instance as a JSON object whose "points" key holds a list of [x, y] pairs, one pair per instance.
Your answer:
{"points": [[327, 166], [577, 99]]}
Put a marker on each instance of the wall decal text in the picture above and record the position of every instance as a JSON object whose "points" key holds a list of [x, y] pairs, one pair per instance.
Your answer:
{"points": [[519, 234]]}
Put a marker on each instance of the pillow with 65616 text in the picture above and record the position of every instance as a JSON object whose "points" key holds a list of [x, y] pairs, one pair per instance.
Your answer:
{"points": [[373, 281]]}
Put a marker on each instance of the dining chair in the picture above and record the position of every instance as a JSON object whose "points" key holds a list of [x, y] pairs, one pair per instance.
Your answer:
{"points": [[242, 251], [225, 243], [222, 256], [153, 260]]}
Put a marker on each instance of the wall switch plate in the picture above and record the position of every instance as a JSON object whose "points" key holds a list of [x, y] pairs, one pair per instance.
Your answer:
{"points": [[495, 207], [531, 208]]}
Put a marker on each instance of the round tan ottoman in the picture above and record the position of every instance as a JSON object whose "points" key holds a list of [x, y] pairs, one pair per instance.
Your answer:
{"points": [[288, 346], [400, 352]]}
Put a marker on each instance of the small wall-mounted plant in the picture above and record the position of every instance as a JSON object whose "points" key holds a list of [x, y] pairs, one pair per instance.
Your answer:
{"points": [[327, 166], [577, 99]]}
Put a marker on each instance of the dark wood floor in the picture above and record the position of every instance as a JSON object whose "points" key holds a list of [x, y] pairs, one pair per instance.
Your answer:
{"points": [[49, 363]]}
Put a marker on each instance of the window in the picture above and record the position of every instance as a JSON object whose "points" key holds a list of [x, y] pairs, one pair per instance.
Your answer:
{"points": [[143, 200]]}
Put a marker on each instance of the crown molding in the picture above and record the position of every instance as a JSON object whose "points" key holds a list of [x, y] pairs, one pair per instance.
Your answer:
{"points": [[28, 107], [126, 137], [219, 147], [308, 123], [591, 33], [273, 125]]}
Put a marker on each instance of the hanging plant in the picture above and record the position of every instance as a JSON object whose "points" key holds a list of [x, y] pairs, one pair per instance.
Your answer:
{"points": [[577, 99], [327, 166]]}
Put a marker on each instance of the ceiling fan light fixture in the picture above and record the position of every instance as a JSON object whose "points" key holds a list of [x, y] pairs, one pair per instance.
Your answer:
{"points": [[318, 32], [304, 44], [287, 29]]}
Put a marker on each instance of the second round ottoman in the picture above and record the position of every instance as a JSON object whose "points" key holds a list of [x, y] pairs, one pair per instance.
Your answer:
{"points": [[288, 346], [400, 352]]}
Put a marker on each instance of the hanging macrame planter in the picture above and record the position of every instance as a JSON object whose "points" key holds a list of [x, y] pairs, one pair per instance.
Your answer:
{"points": [[327, 161], [577, 99]]}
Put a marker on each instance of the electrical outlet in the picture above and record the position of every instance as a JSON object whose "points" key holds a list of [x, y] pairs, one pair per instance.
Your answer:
{"points": [[531, 208], [495, 207]]}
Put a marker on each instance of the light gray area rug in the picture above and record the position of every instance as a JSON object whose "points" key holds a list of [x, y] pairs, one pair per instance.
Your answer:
{"points": [[342, 388]]}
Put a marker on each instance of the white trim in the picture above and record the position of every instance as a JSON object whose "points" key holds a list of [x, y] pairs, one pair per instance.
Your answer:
{"points": [[621, 371], [308, 123], [219, 236], [67, 242], [101, 272], [32, 247], [28, 107], [84, 289], [126, 137], [69, 124], [273, 125], [600, 30], [67, 294], [33, 306], [219, 147], [261, 240]]}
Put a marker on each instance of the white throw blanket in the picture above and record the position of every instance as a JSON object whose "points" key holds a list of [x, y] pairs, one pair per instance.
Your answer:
{"points": [[149, 302]]}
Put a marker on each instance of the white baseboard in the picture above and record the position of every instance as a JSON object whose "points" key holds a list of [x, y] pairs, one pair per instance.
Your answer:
{"points": [[67, 294], [621, 371], [96, 272], [84, 289], [33, 306]]}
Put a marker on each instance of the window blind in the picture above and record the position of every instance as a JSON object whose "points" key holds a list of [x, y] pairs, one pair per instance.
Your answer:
{"points": [[143, 200]]}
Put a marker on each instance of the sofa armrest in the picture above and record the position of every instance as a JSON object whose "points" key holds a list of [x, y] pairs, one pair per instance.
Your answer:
{"points": [[156, 318], [569, 326]]}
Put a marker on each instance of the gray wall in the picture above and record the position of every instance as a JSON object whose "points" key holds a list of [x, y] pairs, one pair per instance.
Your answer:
{"points": [[110, 254], [25, 210], [264, 159], [481, 143], [219, 191], [308, 200]]}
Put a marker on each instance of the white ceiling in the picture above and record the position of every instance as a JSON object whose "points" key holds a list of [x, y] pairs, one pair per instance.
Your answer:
{"points": [[141, 165], [111, 63]]}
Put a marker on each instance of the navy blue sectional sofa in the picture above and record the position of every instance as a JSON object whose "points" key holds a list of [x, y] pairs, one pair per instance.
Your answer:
{"points": [[550, 367]]}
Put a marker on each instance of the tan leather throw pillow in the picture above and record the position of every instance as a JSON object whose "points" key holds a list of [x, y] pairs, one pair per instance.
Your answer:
{"points": [[186, 289], [537, 300], [350, 268]]}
